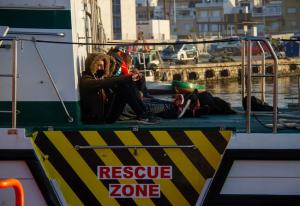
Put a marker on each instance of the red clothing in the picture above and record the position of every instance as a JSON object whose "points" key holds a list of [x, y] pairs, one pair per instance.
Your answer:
{"points": [[125, 69]]}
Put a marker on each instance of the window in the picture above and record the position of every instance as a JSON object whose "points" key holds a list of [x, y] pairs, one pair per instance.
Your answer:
{"points": [[117, 19], [216, 13], [293, 23], [214, 27], [187, 27], [292, 10], [203, 13], [203, 27], [275, 26]]}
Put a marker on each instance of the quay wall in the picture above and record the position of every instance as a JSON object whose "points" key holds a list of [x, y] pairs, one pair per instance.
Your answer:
{"points": [[224, 70]]}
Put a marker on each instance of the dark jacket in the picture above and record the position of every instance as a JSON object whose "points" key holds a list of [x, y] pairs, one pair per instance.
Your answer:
{"points": [[92, 105]]}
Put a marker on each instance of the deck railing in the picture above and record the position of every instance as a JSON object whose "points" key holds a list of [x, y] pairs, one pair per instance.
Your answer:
{"points": [[247, 77], [246, 73]]}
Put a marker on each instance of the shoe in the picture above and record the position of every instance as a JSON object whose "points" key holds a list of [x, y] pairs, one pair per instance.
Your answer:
{"points": [[148, 120], [186, 106], [179, 100]]}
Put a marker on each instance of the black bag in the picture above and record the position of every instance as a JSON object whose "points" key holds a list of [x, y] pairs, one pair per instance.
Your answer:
{"points": [[216, 105], [223, 106], [257, 104]]}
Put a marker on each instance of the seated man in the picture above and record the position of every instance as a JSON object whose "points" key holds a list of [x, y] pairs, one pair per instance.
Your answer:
{"points": [[103, 97]]}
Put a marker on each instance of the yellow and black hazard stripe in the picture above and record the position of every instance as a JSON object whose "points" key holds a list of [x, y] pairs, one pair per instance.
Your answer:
{"points": [[76, 170]]}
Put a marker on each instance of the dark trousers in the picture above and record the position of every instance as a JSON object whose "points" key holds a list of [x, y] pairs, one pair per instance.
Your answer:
{"points": [[122, 95]]}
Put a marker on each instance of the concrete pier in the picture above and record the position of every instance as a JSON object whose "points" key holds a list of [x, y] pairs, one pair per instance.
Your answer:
{"points": [[222, 70]]}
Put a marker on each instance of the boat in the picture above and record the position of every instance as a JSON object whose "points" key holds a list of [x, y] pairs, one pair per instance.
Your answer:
{"points": [[186, 87], [210, 160]]}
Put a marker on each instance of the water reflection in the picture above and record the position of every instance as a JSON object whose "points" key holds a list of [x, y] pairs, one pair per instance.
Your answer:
{"points": [[230, 90]]}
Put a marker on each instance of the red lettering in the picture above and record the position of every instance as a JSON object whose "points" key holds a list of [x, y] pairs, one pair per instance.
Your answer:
{"points": [[114, 190], [134, 172], [127, 172], [103, 172], [141, 190], [152, 172], [154, 190], [139, 172], [116, 172], [128, 190], [134, 190], [165, 172]]}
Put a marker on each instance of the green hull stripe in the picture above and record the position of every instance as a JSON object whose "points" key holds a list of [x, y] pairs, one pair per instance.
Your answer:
{"points": [[40, 113], [43, 19]]}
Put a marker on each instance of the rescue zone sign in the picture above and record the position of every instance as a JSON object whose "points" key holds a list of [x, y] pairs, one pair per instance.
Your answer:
{"points": [[136, 173]]}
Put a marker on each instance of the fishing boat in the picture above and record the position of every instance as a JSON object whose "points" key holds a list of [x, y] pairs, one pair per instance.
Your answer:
{"points": [[52, 158]]}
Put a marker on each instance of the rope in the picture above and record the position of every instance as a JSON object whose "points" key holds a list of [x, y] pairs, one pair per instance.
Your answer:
{"points": [[140, 44]]}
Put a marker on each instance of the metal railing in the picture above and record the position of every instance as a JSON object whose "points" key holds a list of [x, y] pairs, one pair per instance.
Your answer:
{"points": [[246, 76], [18, 188], [14, 77]]}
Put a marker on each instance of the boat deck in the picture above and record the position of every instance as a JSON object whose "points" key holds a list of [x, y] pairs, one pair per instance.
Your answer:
{"points": [[260, 123]]}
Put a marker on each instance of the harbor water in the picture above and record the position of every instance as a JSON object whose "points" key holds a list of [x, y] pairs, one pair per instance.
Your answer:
{"points": [[288, 88]]}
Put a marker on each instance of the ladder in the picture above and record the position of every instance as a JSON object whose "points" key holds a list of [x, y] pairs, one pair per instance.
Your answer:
{"points": [[14, 78], [246, 77]]}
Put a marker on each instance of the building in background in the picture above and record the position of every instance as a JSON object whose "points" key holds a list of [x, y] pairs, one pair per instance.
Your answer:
{"points": [[238, 20], [196, 18], [255, 17], [157, 29], [151, 21], [269, 17], [119, 19], [291, 16], [145, 9]]}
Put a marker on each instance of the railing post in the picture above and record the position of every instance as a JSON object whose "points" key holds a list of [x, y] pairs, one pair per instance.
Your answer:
{"points": [[14, 82], [263, 71], [249, 88], [16, 184], [275, 85], [299, 91], [243, 68]]}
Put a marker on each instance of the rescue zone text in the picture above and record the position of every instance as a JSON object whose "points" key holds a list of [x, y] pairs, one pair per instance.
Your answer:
{"points": [[134, 172]]}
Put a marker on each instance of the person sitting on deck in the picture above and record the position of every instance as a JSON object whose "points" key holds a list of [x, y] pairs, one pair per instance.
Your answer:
{"points": [[126, 70], [103, 97]]}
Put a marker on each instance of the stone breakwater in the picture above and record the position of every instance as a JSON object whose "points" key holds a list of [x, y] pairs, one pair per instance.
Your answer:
{"points": [[223, 70]]}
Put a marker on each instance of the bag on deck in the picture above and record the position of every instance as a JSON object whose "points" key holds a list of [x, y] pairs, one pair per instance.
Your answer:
{"points": [[256, 104]]}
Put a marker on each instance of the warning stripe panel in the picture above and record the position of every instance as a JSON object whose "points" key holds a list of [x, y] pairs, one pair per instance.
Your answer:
{"points": [[205, 167], [92, 159], [162, 159], [81, 168], [65, 170], [126, 157], [217, 139], [52, 173], [180, 159], [144, 158], [75, 170], [109, 158]]}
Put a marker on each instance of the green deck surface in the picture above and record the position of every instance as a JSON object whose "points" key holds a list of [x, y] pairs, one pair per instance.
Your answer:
{"points": [[236, 122]]}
